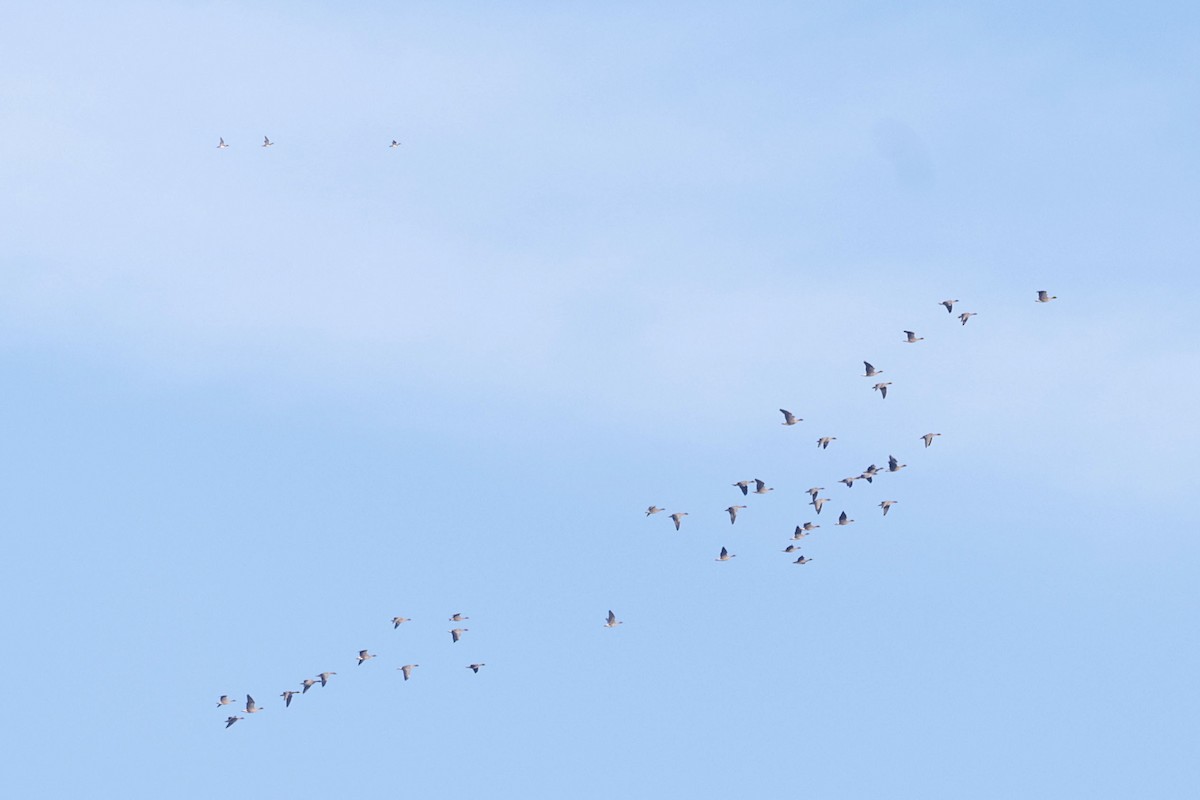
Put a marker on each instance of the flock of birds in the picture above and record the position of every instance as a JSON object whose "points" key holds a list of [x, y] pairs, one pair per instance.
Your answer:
{"points": [[268, 143], [363, 657], [760, 488]]}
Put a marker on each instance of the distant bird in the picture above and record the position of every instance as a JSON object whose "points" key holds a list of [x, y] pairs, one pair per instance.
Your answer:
{"points": [[799, 534], [458, 618], [611, 622], [324, 676], [677, 517], [894, 465], [808, 526], [966, 315], [788, 417], [886, 504], [221, 144], [230, 720], [760, 487], [949, 304], [725, 555], [307, 683], [475, 667], [267, 142], [287, 697], [733, 513], [871, 371], [912, 338], [882, 388], [929, 438], [824, 441], [869, 473], [224, 701], [849, 482], [394, 143], [791, 548], [398, 621], [654, 510], [814, 491], [802, 560], [1044, 296], [457, 633], [817, 502], [843, 519], [251, 707], [407, 670], [744, 486], [363, 655]]}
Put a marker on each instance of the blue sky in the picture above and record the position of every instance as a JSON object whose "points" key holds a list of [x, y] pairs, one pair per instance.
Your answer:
{"points": [[260, 401]]}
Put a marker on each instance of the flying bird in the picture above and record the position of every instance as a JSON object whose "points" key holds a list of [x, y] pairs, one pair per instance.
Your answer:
{"points": [[221, 144], [363, 655], [808, 526], [949, 304], [929, 438], [788, 417], [817, 502], [882, 388], [251, 707], [475, 667], [324, 676], [230, 720], [654, 510], [611, 622], [791, 548], [407, 670], [894, 465], [824, 441], [849, 482], [869, 473], [457, 633], [886, 504], [394, 143], [287, 697], [744, 486], [458, 618], [843, 519], [760, 487], [224, 701], [725, 555], [1044, 296], [912, 338], [677, 517], [814, 491], [267, 142], [398, 621], [802, 560], [307, 683], [966, 315], [733, 513], [871, 371]]}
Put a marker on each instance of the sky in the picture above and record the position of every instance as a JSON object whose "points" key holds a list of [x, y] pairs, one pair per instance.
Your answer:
{"points": [[258, 401]]}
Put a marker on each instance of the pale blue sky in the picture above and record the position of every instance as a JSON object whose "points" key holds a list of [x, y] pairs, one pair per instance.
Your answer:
{"points": [[259, 401]]}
